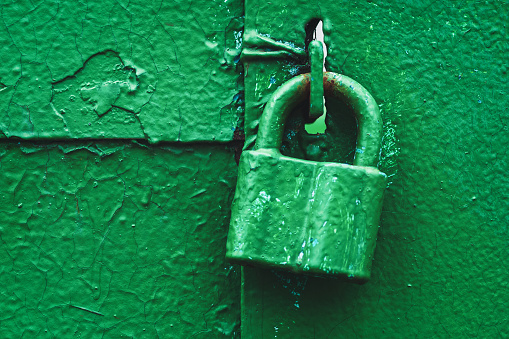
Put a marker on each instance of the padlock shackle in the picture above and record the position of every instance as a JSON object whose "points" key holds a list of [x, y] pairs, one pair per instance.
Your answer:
{"points": [[296, 90]]}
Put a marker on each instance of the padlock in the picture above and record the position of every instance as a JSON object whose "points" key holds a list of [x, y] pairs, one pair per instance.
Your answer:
{"points": [[317, 218]]}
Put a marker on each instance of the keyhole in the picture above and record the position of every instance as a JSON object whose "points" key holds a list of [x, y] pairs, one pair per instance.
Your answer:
{"points": [[318, 126]]}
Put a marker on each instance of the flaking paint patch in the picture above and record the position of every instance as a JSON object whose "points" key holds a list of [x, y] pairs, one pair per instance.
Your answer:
{"points": [[104, 85], [160, 60]]}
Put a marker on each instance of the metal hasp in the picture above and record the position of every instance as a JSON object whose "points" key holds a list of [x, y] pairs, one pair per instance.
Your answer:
{"points": [[317, 218], [316, 86]]}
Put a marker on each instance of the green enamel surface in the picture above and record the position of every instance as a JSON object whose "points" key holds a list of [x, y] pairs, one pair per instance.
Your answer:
{"points": [[333, 234], [339, 205], [116, 240], [438, 72], [291, 94], [163, 71], [170, 71]]}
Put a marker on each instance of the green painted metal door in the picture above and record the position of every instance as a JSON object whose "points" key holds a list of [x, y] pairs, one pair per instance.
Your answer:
{"points": [[117, 168], [438, 71], [121, 122]]}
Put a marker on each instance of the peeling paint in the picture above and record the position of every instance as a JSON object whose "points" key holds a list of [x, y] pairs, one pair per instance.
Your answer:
{"points": [[120, 239], [116, 70]]}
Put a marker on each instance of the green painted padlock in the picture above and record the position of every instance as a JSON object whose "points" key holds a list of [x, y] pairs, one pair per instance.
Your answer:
{"points": [[318, 218]]}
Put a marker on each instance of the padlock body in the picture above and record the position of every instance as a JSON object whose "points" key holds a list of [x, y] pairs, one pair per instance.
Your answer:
{"points": [[317, 218]]}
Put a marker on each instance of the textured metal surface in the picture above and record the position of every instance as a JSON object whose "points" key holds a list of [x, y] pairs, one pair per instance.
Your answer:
{"points": [[106, 240], [161, 71], [438, 71], [305, 217], [296, 90]]}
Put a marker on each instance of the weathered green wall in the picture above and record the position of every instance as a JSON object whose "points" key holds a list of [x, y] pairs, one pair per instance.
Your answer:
{"points": [[73, 264], [116, 240], [439, 73], [164, 70]]}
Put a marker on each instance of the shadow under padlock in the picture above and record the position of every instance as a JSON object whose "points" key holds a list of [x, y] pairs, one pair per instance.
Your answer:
{"points": [[317, 218]]}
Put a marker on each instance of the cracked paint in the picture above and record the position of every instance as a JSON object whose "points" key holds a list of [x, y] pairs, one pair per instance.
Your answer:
{"points": [[92, 241], [80, 222], [103, 97], [438, 71], [121, 69]]}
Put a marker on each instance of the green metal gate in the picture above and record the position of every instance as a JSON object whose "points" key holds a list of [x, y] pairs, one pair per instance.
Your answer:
{"points": [[121, 124]]}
